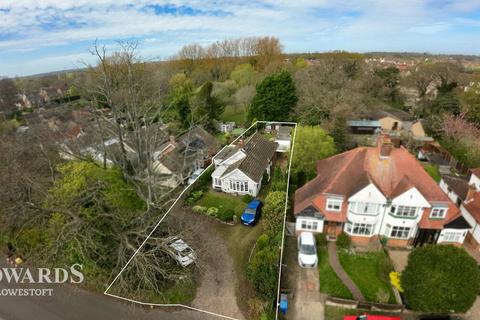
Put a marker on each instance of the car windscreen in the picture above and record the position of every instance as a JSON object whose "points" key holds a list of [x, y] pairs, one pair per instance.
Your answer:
{"points": [[307, 249], [250, 211]]}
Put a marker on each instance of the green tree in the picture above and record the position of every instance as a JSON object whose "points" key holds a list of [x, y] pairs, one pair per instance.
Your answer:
{"points": [[262, 272], [181, 89], [206, 107], [244, 74], [273, 212], [275, 98], [390, 77], [440, 279], [311, 144], [470, 102], [340, 133]]}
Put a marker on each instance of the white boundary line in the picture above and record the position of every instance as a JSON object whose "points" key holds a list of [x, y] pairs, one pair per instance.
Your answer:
{"points": [[170, 209], [277, 304]]}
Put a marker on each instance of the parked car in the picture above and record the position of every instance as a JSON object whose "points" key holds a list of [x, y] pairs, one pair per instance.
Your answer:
{"points": [[195, 175], [371, 317], [252, 213], [181, 251], [307, 250]]}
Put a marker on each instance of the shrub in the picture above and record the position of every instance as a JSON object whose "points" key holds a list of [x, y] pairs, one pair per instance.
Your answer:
{"points": [[247, 198], [395, 280], [194, 197], [204, 180], [279, 180], [212, 211], [199, 209], [344, 241], [226, 214], [440, 279], [273, 212], [382, 296], [263, 241], [321, 239], [262, 271]]}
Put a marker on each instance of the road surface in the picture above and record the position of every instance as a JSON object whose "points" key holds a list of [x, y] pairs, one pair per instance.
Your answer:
{"points": [[71, 303]]}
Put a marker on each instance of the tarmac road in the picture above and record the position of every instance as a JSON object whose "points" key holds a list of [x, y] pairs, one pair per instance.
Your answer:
{"points": [[71, 303]]}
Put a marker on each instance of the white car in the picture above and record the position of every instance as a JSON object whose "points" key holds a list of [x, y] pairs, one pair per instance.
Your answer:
{"points": [[181, 251], [307, 250], [194, 176]]}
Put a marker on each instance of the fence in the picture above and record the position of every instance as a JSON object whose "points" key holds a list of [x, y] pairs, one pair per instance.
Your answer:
{"points": [[364, 305]]}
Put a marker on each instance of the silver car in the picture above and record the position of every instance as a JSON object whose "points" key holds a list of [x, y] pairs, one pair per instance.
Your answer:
{"points": [[181, 251]]}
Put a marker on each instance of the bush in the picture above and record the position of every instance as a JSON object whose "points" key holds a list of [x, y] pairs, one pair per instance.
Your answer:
{"points": [[279, 180], [440, 279], [263, 241], [212, 211], [205, 179], [262, 271], [247, 198], [194, 197], [344, 241], [226, 214], [199, 209], [273, 211], [321, 239]]}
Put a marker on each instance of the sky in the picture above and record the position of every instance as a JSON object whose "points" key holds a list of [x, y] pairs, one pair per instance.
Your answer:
{"points": [[48, 35]]}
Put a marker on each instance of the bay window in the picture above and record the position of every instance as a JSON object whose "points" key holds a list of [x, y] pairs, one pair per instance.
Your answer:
{"points": [[400, 232], [361, 229], [241, 186]]}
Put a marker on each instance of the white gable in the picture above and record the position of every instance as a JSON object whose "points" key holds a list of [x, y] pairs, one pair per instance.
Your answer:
{"points": [[369, 194], [237, 175], [475, 181], [412, 198], [233, 158]]}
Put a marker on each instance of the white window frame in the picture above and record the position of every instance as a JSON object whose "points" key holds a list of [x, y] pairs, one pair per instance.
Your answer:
{"points": [[400, 232], [452, 236], [435, 212], [404, 211], [363, 227], [332, 203], [309, 225], [363, 208], [217, 182], [239, 186]]}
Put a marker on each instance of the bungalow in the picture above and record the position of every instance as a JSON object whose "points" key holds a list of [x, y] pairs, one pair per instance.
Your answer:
{"points": [[382, 191], [240, 169]]}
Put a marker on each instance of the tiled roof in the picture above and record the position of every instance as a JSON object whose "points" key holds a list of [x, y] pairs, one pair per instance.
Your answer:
{"points": [[349, 172], [259, 152], [473, 206], [475, 171], [459, 185]]}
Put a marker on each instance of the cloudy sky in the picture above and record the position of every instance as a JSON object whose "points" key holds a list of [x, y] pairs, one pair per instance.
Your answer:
{"points": [[46, 35]]}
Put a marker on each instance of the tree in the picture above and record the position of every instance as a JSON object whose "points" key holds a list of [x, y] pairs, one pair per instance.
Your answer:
{"points": [[390, 80], [340, 133], [205, 106], [311, 144], [181, 89], [440, 279], [243, 74], [275, 98], [274, 211], [8, 96]]}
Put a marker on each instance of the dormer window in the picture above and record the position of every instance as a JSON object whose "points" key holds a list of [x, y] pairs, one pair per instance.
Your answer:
{"points": [[334, 204], [438, 212]]}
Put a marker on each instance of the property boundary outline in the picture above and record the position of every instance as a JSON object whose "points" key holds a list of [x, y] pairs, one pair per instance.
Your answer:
{"points": [[255, 124]]}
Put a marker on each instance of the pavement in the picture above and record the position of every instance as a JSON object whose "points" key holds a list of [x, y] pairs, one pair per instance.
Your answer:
{"points": [[399, 258], [337, 267], [72, 303]]}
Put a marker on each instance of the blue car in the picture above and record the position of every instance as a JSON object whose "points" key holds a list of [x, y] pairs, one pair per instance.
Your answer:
{"points": [[252, 212]]}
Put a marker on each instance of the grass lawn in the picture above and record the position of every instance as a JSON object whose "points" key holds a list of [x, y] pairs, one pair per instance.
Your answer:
{"points": [[433, 171], [227, 205], [370, 272], [329, 282], [240, 241], [334, 313], [237, 114]]}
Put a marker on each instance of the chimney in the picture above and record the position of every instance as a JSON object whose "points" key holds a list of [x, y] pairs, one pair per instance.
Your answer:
{"points": [[471, 192], [173, 140], [385, 146], [241, 143]]}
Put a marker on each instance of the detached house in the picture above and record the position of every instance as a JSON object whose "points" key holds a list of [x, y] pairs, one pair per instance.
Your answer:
{"points": [[372, 192], [240, 169]]}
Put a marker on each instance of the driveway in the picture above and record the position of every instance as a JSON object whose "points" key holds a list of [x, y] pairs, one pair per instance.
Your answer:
{"points": [[72, 303], [306, 301], [399, 258]]}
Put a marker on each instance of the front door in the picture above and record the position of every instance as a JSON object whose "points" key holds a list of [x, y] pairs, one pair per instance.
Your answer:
{"points": [[331, 229]]}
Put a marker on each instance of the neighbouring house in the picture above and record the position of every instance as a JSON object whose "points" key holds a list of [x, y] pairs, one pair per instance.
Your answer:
{"points": [[225, 126], [373, 192], [178, 158], [467, 195], [364, 126], [283, 138], [240, 169]]}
